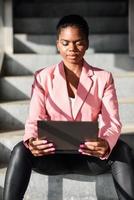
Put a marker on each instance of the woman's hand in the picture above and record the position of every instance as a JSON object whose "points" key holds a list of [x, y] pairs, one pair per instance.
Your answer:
{"points": [[98, 148], [40, 147]]}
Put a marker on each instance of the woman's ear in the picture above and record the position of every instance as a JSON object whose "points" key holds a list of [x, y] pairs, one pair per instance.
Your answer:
{"points": [[87, 44], [57, 45]]}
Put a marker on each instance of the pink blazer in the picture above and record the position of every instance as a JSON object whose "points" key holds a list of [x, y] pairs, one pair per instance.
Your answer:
{"points": [[96, 99]]}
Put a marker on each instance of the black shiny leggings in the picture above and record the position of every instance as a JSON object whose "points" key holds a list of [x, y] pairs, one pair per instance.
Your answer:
{"points": [[22, 162]]}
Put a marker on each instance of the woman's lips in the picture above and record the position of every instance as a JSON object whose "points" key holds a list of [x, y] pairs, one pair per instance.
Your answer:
{"points": [[72, 56]]}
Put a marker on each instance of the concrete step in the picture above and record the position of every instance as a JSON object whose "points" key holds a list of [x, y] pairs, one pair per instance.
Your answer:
{"points": [[75, 187], [42, 44], [46, 44], [13, 114], [19, 88], [8, 139], [27, 64], [91, 8], [48, 25], [16, 88], [126, 110], [124, 90], [59, 1], [67, 187]]}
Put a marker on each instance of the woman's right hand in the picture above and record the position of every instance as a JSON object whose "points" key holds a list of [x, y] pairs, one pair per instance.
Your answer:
{"points": [[40, 147]]}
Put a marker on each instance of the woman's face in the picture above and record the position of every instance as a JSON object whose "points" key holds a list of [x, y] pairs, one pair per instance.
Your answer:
{"points": [[72, 45]]}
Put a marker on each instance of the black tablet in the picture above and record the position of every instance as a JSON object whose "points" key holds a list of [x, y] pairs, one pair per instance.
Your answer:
{"points": [[67, 135]]}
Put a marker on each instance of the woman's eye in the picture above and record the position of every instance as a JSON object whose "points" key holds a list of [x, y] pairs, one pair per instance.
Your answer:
{"points": [[64, 43], [79, 43]]}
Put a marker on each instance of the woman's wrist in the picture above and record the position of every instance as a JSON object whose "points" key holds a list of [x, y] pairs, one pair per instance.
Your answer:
{"points": [[30, 141]]}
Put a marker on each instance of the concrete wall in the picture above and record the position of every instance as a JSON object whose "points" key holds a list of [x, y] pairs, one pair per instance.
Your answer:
{"points": [[131, 28], [1, 34], [8, 26], [6, 29], [1, 26]]}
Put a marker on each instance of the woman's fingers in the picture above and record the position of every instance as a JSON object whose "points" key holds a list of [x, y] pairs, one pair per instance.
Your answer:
{"points": [[36, 142], [43, 152], [38, 152], [95, 148], [97, 153], [41, 147]]}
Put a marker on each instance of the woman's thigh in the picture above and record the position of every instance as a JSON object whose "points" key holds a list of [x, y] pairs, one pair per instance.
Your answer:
{"points": [[122, 170], [59, 163], [122, 153], [70, 163]]}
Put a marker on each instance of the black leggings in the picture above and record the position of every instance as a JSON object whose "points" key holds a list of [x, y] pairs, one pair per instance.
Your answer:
{"points": [[22, 162]]}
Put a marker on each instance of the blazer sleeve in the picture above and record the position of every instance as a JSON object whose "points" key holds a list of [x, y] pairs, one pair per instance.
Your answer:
{"points": [[109, 117], [37, 110]]}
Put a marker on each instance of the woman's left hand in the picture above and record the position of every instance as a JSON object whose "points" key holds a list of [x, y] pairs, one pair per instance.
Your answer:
{"points": [[98, 148]]}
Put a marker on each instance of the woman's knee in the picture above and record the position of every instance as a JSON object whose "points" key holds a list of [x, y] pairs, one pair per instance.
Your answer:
{"points": [[21, 156], [122, 152], [20, 150]]}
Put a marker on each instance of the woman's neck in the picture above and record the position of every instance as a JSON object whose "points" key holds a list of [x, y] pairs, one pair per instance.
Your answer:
{"points": [[73, 69], [72, 73]]}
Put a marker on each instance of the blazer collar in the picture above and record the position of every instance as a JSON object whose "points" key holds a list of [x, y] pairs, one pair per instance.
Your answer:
{"points": [[60, 92], [84, 86]]}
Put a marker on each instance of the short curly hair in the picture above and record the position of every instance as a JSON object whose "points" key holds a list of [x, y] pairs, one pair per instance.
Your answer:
{"points": [[73, 20]]}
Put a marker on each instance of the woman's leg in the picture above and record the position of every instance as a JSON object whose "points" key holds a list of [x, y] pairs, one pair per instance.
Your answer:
{"points": [[22, 162], [122, 171], [20, 166], [18, 173], [120, 162], [87, 165]]}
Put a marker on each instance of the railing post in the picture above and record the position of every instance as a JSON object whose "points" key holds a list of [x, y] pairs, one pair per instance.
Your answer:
{"points": [[131, 27], [8, 26]]}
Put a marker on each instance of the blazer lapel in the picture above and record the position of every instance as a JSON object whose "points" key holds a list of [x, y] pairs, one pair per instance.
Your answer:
{"points": [[84, 87], [60, 93]]}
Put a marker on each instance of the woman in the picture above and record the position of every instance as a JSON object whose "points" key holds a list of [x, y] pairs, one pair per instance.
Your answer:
{"points": [[72, 91]]}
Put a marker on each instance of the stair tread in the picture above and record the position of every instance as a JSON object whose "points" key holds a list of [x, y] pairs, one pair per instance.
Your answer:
{"points": [[46, 44], [24, 35], [57, 18], [11, 133], [67, 186], [14, 102], [48, 25], [28, 63], [81, 7]]}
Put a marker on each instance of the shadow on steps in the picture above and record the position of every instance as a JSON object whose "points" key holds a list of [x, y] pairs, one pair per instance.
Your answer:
{"points": [[4, 155]]}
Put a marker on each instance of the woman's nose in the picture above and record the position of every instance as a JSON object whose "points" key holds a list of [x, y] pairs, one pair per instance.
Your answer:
{"points": [[72, 46]]}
